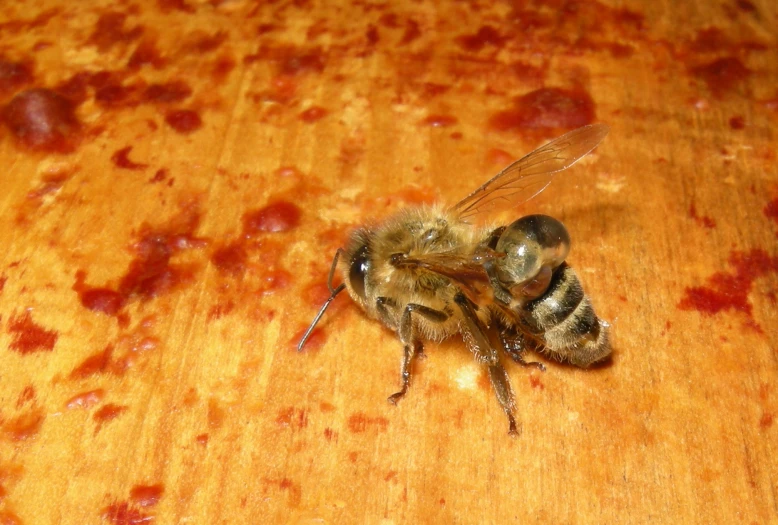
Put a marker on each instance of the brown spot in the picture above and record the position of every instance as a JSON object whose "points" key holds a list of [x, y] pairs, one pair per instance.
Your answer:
{"points": [[313, 114], [175, 5], [85, 399], [110, 30], [109, 412], [160, 175], [360, 422], [184, 120], [145, 53], [486, 35], [166, 93], [722, 75], [546, 108], [114, 95], [439, 121], [28, 336], [703, 220], [766, 420], [121, 160], [41, 119], [208, 43], [230, 259], [14, 75], [146, 495], [771, 210], [535, 382], [737, 122], [281, 216], [123, 514]]}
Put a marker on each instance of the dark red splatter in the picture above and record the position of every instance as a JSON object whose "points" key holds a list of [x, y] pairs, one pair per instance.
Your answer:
{"points": [[737, 122], [145, 53], [202, 439], [295, 418], [722, 75], [160, 175], [169, 92], [230, 259], [102, 300], [330, 434], [280, 216], [703, 220], [360, 422], [222, 68], [729, 291], [439, 121], [546, 108], [24, 426], [745, 6], [121, 160], [3, 280], [372, 35], [412, 32], [28, 337], [27, 395], [109, 412], [85, 399], [535, 382], [313, 114], [175, 5], [486, 35], [14, 75], [110, 30], [113, 95], [122, 514], [43, 120], [771, 210], [184, 120], [296, 64], [94, 364], [209, 43], [766, 421], [146, 495]]}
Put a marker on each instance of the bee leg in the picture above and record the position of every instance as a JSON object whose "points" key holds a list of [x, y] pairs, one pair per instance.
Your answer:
{"points": [[412, 345], [476, 338], [515, 347]]}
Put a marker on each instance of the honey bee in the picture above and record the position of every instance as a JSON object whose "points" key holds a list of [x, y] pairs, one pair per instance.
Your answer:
{"points": [[429, 273]]}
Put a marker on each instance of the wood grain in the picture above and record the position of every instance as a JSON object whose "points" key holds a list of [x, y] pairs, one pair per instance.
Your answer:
{"points": [[151, 297]]}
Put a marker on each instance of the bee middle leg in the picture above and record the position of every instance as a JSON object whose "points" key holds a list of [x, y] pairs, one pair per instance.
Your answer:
{"points": [[412, 345], [515, 346]]}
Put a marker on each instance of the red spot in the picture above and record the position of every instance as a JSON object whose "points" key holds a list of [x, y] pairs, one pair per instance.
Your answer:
{"points": [[25, 396], [85, 399], [737, 122], [230, 259], [535, 382], [216, 415], [43, 120], [546, 108], [703, 220], [145, 53], [281, 216], [146, 495], [166, 93], [121, 160], [360, 422], [430, 89], [184, 120], [486, 35], [313, 114], [723, 74], [218, 311], [223, 67], [109, 412], [766, 420], [29, 337], [122, 514], [746, 6], [771, 210], [23, 427], [439, 121], [295, 418], [3, 280], [297, 64], [160, 175], [202, 439], [113, 95], [330, 434], [275, 279], [353, 457], [209, 43], [392, 474], [93, 364], [372, 35], [102, 300], [326, 407], [6, 516], [110, 30], [729, 291], [13, 75], [412, 32], [175, 5]]}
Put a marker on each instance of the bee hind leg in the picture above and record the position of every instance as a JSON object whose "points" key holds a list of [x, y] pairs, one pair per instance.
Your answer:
{"points": [[515, 346], [412, 345]]}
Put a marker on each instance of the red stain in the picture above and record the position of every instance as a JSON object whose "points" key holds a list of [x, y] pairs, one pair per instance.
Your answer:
{"points": [[702, 220], [535, 382], [737, 122], [184, 120], [121, 160], [486, 36], [145, 54], [439, 121], [41, 119], [209, 43], [330, 434], [372, 36], [85, 399], [3, 280], [218, 311], [159, 176], [727, 290], [27, 395], [102, 300], [294, 418], [94, 364], [216, 415], [745, 6], [110, 30], [109, 412], [412, 32], [326, 407], [360, 422], [721, 75], [167, 93], [7, 517], [281, 216], [222, 68], [771, 210], [114, 95], [122, 513], [23, 427], [29, 337], [146, 495], [230, 259], [313, 114], [202, 439], [175, 5], [14, 75], [546, 108], [766, 421], [314, 343]]}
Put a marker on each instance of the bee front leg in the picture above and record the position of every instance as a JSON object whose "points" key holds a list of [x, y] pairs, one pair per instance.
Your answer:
{"points": [[515, 346], [412, 345], [475, 335]]}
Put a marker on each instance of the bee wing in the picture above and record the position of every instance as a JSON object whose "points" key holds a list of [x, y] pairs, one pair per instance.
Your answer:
{"points": [[466, 270], [530, 175]]}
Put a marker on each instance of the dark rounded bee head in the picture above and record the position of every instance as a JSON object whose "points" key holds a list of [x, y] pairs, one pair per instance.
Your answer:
{"points": [[359, 266]]}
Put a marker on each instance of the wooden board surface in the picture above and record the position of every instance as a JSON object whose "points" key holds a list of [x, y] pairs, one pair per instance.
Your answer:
{"points": [[177, 175]]}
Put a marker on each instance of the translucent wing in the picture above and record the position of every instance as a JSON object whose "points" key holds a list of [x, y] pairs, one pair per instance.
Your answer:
{"points": [[530, 175]]}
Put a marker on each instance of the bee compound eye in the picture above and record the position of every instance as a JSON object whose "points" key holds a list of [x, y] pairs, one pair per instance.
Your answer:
{"points": [[360, 265]]}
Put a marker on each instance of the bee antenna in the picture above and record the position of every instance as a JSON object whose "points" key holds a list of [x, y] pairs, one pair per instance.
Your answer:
{"points": [[333, 293], [308, 332]]}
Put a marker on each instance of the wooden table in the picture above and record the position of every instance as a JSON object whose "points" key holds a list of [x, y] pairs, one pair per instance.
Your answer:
{"points": [[177, 175]]}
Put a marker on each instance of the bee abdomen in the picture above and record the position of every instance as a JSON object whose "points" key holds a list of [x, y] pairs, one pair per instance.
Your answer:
{"points": [[565, 320]]}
